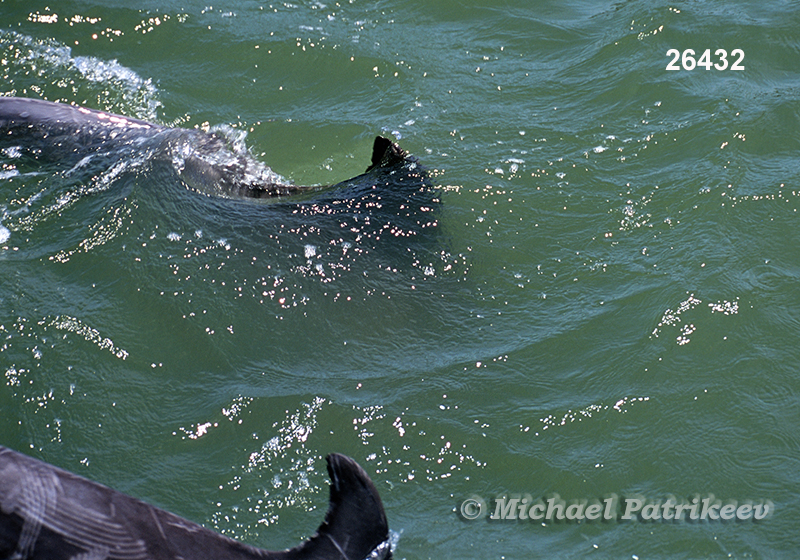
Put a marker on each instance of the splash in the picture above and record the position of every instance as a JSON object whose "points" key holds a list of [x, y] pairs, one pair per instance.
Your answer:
{"points": [[34, 67]]}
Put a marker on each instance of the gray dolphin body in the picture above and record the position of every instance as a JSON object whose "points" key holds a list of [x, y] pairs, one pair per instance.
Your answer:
{"points": [[205, 161], [50, 514]]}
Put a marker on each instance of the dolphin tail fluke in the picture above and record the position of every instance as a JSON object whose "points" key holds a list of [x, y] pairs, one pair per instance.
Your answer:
{"points": [[355, 526], [386, 153]]}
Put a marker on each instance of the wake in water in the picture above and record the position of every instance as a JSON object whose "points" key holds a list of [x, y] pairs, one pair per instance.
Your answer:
{"points": [[35, 67]]}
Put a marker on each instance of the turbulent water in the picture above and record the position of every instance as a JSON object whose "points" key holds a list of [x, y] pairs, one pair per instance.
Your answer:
{"points": [[598, 298]]}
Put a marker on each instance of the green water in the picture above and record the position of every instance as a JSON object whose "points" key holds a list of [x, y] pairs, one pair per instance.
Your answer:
{"points": [[607, 303]]}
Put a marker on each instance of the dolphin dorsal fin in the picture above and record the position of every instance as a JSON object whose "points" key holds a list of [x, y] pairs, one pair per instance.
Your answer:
{"points": [[50, 514], [355, 522], [386, 153]]}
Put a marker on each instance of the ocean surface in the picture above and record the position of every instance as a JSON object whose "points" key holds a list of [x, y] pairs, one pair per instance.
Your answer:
{"points": [[604, 302]]}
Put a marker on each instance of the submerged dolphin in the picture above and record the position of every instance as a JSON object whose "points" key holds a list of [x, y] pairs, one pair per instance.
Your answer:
{"points": [[48, 513], [205, 161]]}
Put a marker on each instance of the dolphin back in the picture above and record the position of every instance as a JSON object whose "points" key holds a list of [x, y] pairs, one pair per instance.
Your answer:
{"points": [[206, 162], [58, 129], [23, 111], [49, 513]]}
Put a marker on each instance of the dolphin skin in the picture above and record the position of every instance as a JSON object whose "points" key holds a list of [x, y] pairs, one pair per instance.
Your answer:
{"points": [[48, 513], [205, 161]]}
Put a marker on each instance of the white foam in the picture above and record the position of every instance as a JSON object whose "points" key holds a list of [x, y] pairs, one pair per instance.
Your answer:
{"points": [[14, 152], [51, 59]]}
